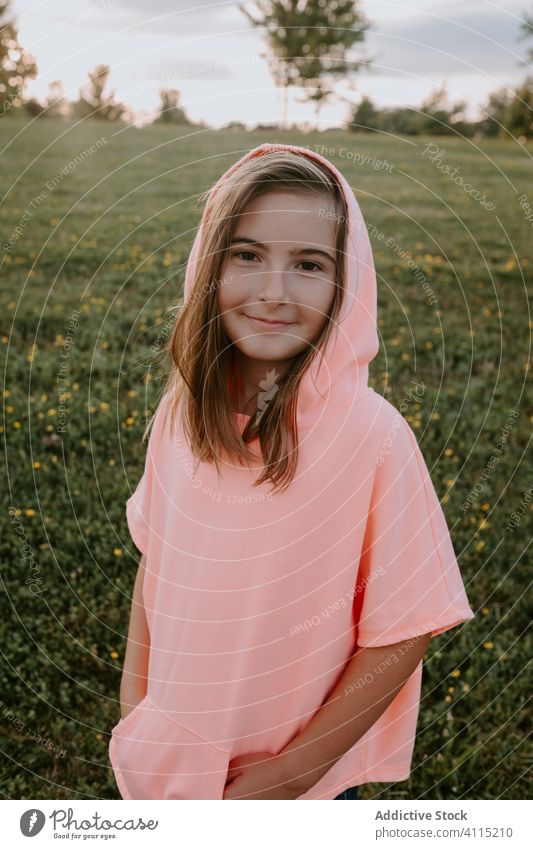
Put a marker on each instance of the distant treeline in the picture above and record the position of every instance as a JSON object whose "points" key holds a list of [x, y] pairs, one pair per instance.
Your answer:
{"points": [[506, 112]]}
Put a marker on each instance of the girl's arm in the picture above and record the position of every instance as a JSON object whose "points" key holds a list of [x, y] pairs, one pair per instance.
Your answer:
{"points": [[368, 684], [135, 672]]}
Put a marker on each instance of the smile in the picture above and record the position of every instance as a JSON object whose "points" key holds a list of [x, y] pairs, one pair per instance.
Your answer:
{"points": [[270, 325]]}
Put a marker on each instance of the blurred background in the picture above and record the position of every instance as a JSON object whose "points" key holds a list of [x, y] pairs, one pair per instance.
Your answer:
{"points": [[114, 117]]}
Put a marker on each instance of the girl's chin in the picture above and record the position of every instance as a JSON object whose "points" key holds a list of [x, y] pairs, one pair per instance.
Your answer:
{"points": [[264, 351], [272, 350]]}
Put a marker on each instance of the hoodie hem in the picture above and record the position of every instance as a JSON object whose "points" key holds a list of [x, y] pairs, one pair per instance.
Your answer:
{"points": [[121, 784], [383, 775]]}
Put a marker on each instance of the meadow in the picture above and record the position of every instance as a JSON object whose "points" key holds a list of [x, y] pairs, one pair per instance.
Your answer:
{"points": [[97, 221]]}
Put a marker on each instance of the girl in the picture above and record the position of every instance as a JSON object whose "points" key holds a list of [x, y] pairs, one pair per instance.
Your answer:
{"points": [[295, 557]]}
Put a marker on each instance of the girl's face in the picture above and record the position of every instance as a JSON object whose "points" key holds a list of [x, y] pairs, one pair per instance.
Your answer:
{"points": [[278, 280]]}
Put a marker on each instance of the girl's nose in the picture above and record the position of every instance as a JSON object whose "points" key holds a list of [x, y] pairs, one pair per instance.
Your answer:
{"points": [[274, 285]]}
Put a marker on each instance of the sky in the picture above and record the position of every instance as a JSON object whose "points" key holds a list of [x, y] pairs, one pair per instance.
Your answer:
{"points": [[210, 52]]}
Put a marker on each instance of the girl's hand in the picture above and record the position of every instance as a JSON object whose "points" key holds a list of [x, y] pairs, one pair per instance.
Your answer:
{"points": [[258, 776]]}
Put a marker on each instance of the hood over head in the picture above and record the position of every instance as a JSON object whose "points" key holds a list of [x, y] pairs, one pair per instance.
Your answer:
{"points": [[339, 375]]}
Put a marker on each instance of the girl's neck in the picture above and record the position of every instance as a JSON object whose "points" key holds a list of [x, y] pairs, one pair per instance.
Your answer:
{"points": [[249, 380]]}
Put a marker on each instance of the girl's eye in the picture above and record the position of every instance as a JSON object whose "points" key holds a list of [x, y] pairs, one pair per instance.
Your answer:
{"points": [[245, 255], [309, 262]]}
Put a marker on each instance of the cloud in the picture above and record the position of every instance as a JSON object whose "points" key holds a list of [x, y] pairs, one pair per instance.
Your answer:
{"points": [[182, 17], [461, 38]]}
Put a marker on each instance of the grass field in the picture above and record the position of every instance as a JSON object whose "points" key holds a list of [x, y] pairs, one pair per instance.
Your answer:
{"points": [[98, 237]]}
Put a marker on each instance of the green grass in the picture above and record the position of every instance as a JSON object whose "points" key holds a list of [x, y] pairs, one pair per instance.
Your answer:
{"points": [[117, 230]]}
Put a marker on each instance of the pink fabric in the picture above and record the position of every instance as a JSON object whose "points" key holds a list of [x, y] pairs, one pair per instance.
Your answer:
{"points": [[255, 602]]}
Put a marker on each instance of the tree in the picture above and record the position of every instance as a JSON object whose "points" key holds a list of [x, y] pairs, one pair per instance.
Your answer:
{"points": [[56, 104], [34, 107], [365, 116], [497, 113], [310, 43], [16, 66], [520, 112], [170, 112], [437, 118], [404, 120], [92, 100], [526, 32]]}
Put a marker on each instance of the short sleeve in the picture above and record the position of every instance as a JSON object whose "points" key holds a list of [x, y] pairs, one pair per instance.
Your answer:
{"points": [[139, 504], [409, 581]]}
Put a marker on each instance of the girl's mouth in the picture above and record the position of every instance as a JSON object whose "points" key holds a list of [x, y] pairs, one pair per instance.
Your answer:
{"points": [[268, 325]]}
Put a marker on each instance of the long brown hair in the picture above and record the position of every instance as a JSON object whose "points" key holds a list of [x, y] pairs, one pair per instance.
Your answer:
{"points": [[202, 360]]}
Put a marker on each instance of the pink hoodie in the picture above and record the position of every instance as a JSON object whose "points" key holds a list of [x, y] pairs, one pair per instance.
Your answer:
{"points": [[255, 602]]}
